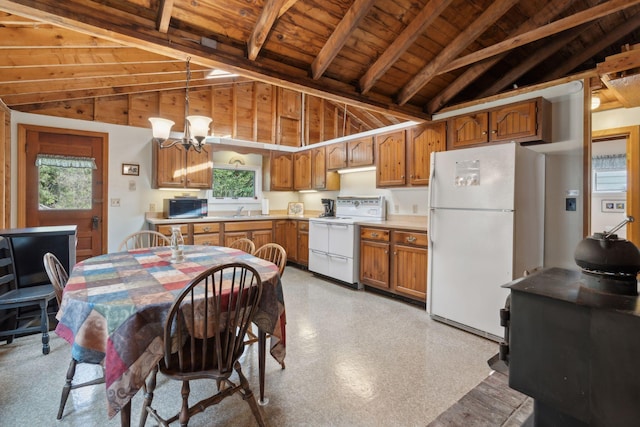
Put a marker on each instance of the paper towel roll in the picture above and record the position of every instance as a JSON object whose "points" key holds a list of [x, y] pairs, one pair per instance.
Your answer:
{"points": [[265, 206]]}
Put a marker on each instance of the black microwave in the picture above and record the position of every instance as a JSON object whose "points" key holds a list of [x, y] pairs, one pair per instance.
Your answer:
{"points": [[186, 208]]}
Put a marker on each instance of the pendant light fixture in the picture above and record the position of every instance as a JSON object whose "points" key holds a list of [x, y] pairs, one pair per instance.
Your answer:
{"points": [[196, 128]]}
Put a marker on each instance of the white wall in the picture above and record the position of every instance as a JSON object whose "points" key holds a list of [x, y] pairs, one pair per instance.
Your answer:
{"points": [[604, 221], [615, 118]]}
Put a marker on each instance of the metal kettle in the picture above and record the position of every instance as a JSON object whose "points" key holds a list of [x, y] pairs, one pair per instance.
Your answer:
{"points": [[606, 253]]}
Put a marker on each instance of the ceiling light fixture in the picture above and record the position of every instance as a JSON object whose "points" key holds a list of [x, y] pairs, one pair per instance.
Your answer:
{"points": [[196, 128], [595, 101], [217, 74]]}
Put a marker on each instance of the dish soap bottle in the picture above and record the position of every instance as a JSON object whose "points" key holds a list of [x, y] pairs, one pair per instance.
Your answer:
{"points": [[177, 245]]}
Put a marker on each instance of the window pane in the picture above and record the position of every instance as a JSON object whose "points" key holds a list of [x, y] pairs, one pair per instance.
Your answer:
{"points": [[233, 183], [64, 187]]}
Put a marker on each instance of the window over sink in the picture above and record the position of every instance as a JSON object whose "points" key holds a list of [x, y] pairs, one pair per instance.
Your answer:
{"points": [[233, 183]]}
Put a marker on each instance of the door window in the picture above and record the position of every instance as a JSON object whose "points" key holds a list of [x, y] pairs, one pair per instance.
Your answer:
{"points": [[64, 182]]}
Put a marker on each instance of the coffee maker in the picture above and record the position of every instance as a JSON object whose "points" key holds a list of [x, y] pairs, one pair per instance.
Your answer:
{"points": [[329, 206]]}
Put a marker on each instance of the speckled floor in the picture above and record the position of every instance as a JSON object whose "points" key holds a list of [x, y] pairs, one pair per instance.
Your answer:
{"points": [[353, 359]]}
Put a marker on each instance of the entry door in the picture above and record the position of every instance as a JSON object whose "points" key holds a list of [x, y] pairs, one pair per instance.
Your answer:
{"points": [[62, 187]]}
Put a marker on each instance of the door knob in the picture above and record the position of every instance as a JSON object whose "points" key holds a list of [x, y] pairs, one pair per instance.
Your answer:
{"points": [[95, 222]]}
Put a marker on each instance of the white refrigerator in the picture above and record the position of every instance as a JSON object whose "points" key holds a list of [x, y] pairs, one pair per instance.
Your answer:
{"points": [[486, 227]]}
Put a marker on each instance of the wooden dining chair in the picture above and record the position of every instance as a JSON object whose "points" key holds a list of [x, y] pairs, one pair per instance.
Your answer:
{"points": [[244, 245], [58, 277], [144, 239], [276, 254], [14, 300], [203, 338]]}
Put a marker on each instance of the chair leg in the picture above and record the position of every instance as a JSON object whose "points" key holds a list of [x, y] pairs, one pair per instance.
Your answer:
{"points": [[71, 371], [184, 412], [44, 325], [247, 395], [149, 387]]}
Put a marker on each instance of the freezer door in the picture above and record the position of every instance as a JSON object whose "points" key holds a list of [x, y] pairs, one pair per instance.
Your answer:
{"points": [[470, 258], [474, 178]]}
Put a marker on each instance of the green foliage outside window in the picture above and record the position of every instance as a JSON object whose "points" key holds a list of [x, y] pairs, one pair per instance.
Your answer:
{"points": [[233, 183], [64, 187]]}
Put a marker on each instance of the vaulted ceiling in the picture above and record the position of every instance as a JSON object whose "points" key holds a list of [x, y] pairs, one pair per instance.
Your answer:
{"points": [[402, 58]]}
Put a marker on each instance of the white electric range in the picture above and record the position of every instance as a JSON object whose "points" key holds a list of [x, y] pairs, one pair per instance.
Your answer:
{"points": [[333, 241]]}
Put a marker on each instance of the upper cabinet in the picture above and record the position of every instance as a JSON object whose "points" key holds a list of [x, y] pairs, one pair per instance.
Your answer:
{"points": [[175, 167], [528, 121], [360, 152], [281, 171], [322, 179], [422, 141], [337, 156], [390, 155], [302, 170]]}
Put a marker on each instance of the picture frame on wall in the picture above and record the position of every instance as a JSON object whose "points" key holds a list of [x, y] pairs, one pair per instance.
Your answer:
{"points": [[130, 169], [613, 206]]}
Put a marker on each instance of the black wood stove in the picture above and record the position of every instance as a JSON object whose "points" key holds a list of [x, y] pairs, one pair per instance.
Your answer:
{"points": [[572, 338]]}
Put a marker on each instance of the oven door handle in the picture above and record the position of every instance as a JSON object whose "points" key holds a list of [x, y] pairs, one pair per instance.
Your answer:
{"points": [[339, 257]]}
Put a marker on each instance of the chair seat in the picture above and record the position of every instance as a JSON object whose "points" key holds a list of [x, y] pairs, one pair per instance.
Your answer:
{"points": [[27, 296]]}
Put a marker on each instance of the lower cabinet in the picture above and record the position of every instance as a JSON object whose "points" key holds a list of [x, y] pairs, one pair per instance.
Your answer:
{"points": [[394, 261], [286, 235], [303, 243], [206, 233], [260, 232]]}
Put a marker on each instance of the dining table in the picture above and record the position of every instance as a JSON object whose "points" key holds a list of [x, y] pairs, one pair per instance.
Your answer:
{"points": [[114, 306]]}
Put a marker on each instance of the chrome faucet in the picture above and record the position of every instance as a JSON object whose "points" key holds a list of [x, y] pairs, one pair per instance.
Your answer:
{"points": [[239, 210]]}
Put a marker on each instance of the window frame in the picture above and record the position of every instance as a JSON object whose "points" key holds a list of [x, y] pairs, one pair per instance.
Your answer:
{"points": [[257, 169]]}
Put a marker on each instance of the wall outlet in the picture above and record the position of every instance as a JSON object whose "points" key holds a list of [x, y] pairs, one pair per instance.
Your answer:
{"points": [[115, 203], [152, 207], [132, 185]]}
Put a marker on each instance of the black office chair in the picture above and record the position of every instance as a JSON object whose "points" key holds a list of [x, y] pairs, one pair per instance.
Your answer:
{"points": [[13, 301]]}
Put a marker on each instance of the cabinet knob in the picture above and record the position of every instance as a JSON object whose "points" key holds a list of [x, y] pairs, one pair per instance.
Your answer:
{"points": [[374, 234], [494, 131], [484, 132], [411, 239], [402, 176], [206, 229]]}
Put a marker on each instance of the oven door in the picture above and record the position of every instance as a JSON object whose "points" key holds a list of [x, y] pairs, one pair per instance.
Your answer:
{"points": [[341, 239]]}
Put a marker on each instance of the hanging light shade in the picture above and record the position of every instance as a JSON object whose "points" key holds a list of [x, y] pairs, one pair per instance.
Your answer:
{"points": [[196, 128], [595, 101]]}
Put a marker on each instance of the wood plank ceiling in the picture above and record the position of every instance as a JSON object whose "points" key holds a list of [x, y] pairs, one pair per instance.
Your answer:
{"points": [[392, 59]]}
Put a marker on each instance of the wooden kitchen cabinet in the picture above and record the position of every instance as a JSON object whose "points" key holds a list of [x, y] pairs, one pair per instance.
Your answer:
{"points": [[302, 170], [422, 141], [410, 264], [206, 233], [321, 178], [260, 232], [281, 171], [374, 257], [286, 235], [302, 257], [337, 156], [176, 167], [394, 261], [528, 121], [391, 159], [360, 152], [184, 230]]}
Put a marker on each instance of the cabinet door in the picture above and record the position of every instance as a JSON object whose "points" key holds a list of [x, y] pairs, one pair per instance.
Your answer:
{"points": [[303, 243], [337, 156], [169, 166], [374, 264], [282, 171], [360, 152], [422, 142], [318, 168], [230, 237], [302, 170], [199, 168], [468, 130], [410, 271], [261, 237], [286, 235], [390, 155], [210, 239], [515, 121]]}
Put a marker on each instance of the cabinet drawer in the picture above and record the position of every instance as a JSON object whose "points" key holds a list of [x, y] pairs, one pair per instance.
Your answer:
{"points": [[166, 229], [248, 225], [374, 234], [212, 239], [206, 227], [410, 238], [303, 225]]}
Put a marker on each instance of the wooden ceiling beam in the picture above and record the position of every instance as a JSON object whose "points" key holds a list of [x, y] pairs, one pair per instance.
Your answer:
{"points": [[61, 72], [287, 5], [460, 43], [563, 24], [136, 31], [350, 21], [541, 55], [546, 14], [54, 57], [49, 37], [263, 26], [619, 32], [427, 15], [164, 15]]}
